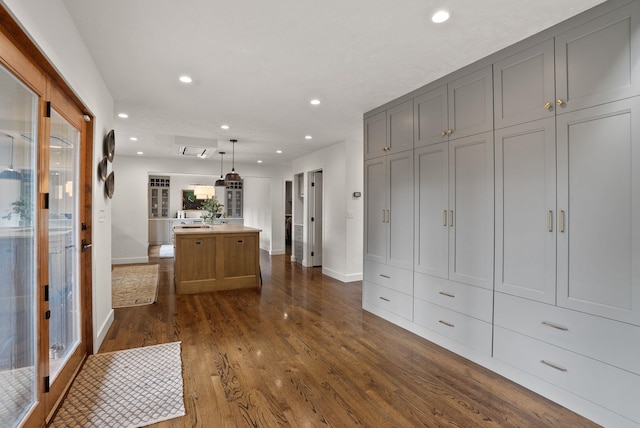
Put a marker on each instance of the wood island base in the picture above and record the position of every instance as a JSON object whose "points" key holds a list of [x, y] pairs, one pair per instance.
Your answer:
{"points": [[214, 258]]}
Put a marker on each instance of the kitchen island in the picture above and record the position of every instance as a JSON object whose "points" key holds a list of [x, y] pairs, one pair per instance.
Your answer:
{"points": [[216, 257]]}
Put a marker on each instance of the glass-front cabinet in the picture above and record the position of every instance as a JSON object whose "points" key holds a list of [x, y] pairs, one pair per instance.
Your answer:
{"points": [[233, 199], [159, 196]]}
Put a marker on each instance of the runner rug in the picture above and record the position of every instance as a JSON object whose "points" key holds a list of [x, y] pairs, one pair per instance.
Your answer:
{"points": [[131, 388], [134, 285]]}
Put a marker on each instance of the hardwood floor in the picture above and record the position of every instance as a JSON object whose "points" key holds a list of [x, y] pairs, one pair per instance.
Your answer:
{"points": [[302, 352]]}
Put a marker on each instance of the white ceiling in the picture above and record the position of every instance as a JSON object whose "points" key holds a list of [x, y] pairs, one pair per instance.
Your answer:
{"points": [[256, 64]]}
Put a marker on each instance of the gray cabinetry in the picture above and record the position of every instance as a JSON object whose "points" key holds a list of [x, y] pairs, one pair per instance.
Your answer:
{"points": [[525, 257], [599, 61], [458, 109], [599, 210], [525, 86], [389, 207], [390, 131]]}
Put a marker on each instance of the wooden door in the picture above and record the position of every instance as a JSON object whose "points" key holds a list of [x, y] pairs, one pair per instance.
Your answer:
{"points": [[524, 86], [599, 61], [400, 209], [599, 210], [431, 254], [431, 117], [471, 206], [525, 174]]}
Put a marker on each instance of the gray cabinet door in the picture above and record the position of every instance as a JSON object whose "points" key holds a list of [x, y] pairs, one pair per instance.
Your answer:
{"points": [[524, 86], [400, 123], [375, 135], [400, 215], [470, 101], [431, 254], [375, 194], [431, 117], [599, 206], [599, 61], [471, 202], [525, 174]]}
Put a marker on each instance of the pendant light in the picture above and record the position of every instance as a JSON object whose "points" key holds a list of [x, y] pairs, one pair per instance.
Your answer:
{"points": [[10, 173], [233, 176], [220, 182]]}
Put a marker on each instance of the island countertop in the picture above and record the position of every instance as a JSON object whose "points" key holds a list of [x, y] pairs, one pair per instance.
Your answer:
{"points": [[195, 229]]}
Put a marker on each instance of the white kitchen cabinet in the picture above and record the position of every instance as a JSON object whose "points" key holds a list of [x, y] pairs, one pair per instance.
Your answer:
{"points": [[458, 109], [525, 165]]}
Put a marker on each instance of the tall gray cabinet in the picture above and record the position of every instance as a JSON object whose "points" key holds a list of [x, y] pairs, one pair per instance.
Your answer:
{"points": [[525, 195]]}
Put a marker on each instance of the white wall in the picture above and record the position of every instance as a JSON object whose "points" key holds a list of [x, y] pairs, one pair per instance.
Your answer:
{"points": [[257, 212], [50, 27], [342, 213], [130, 233]]}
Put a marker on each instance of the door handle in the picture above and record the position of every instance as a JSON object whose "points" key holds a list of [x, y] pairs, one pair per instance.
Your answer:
{"points": [[444, 218], [86, 245], [561, 221], [450, 218], [550, 221]]}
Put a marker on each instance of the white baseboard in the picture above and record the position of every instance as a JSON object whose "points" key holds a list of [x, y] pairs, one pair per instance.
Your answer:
{"points": [[277, 252], [101, 333], [340, 276]]}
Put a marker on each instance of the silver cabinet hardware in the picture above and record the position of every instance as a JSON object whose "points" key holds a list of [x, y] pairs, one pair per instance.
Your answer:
{"points": [[447, 294], [448, 324], [550, 221], [444, 218], [385, 299], [554, 325], [451, 218], [385, 276], [561, 221], [553, 366]]}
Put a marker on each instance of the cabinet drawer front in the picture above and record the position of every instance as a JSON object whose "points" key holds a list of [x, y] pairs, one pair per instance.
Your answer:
{"points": [[605, 340], [468, 300], [610, 387], [469, 331], [387, 299], [389, 276]]}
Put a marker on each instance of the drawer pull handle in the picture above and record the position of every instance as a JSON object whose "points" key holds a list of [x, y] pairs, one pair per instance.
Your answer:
{"points": [[444, 218], [385, 299], [446, 294], [553, 366], [240, 241], [448, 324], [385, 276], [198, 242], [556, 326], [550, 221], [450, 218]]}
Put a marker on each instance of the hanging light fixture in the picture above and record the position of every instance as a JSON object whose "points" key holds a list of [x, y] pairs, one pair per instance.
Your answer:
{"points": [[220, 182], [10, 173], [233, 176], [203, 191]]}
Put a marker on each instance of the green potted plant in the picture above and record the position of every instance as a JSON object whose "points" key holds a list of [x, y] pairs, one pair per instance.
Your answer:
{"points": [[213, 209], [24, 208]]}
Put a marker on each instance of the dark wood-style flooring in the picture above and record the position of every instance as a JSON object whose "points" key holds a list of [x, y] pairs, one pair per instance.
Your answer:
{"points": [[302, 352]]}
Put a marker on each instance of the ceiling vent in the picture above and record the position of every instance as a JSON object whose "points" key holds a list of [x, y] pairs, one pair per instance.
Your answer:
{"points": [[194, 151]]}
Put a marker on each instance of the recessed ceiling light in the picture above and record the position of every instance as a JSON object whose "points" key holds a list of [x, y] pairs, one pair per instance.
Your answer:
{"points": [[308, 137], [278, 151], [140, 153], [186, 79], [440, 16], [225, 127], [123, 115], [133, 138], [315, 102], [259, 161]]}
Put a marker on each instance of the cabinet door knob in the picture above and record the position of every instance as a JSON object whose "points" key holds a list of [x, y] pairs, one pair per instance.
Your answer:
{"points": [[560, 102], [443, 133], [548, 106], [449, 131]]}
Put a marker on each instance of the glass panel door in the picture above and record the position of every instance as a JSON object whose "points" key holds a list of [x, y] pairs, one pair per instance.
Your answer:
{"points": [[64, 290], [18, 273]]}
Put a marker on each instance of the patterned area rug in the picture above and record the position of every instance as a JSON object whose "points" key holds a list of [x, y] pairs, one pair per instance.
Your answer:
{"points": [[134, 285], [17, 393], [131, 388]]}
